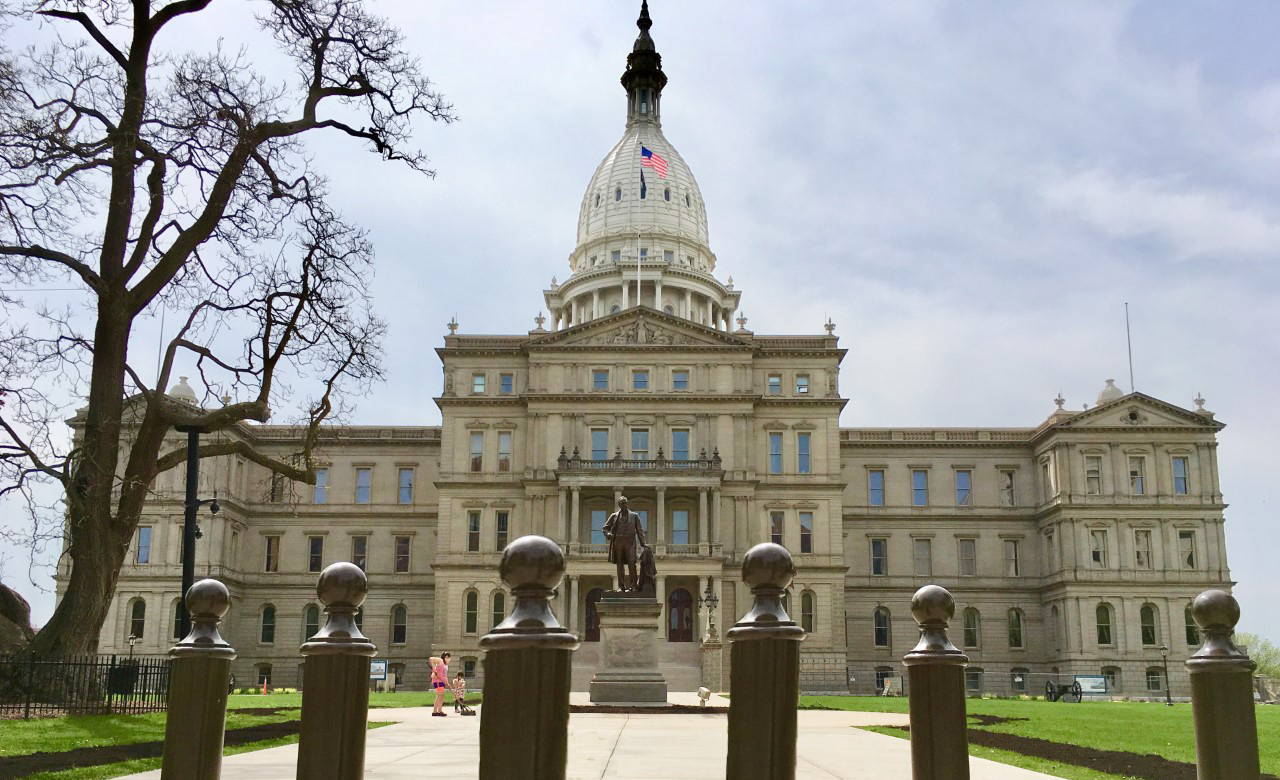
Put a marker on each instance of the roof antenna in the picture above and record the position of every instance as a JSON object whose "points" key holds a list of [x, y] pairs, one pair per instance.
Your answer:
{"points": [[1129, 341]]}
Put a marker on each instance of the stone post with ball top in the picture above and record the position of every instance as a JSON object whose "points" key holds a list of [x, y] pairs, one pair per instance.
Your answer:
{"points": [[335, 681], [1222, 693], [197, 707], [764, 680], [935, 671], [524, 723]]}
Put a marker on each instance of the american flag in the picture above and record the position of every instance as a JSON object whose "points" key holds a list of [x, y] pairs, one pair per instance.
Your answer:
{"points": [[650, 159]]}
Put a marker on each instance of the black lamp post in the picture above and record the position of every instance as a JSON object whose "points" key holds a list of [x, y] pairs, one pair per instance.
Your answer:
{"points": [[709, 600], [190, 532], [1164, 654], [133, 640]]}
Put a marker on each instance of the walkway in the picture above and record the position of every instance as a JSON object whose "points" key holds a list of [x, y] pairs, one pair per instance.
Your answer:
{"points": [[621, 747]]}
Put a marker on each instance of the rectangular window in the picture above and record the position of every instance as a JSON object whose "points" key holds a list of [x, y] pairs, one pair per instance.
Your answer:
{"points": [[360, 552], [276, 491], [879, 557], [802, 452], [775, 527], [272, 562], [1007, 495], [506, 384], [1137, 476], [599, 443], [143, 554], [919, 487], [402, 554], [1046, 480], [501, 528], [1051, 551], [1093, 475], [775, 384], [875, 487], [477, 384], [1180, 476], [315, 553], [364, 485], [806, 532], [468, 668], [640, 443], [680, 379], [964, 488], [679, 444], [968, 557], [640, 379], [922, 552], [775, 453], [1155, 679], [668, 256], [600, 379], [680, 526], [1187, 549], [406, 485], [473, 531], [598, 518], [1012, 558], [1142, 549], [1098, 542], [616, 255], [321, 493], [504, 451], [802, 384], [477, 450]]}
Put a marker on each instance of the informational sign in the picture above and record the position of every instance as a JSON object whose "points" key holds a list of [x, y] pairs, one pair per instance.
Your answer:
{"points": [[378, 670], [1095, 684]]}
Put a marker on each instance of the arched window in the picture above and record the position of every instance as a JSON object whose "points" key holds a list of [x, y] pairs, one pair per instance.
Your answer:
{"points": [[1015, 628], [137, 618], [267, 625], [177, 618], [666, 193], [615, 309], [807, 611], [617, 194], [470, 612], [310, 621], [1103, 617], [1193, 631], [399, 624], [592, 634], [687, 200], [499, 612], [1150, 632], [668, 309], [597, 200], [1054, 625], [680, 616], [880, 618], [971, 627]]}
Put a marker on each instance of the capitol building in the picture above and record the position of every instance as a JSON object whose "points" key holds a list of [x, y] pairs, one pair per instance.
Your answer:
{"points": [[1073, 544]]}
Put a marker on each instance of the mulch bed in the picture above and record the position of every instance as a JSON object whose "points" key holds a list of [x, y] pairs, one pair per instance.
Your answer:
{"points": [[671, 709], [14, 767], [1143, 767]]}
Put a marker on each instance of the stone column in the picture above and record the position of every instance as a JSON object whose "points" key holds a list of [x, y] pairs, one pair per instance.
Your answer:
{"points": [[335, 681], [935, 673], [197, 707], [595, 303], [657, 293], [571, 588], [764, 646], [660, 522], [715, 516], [575, 528], [703, 548], [626, 291], [688, 303], [524, 727], [711, 320], [1222, 694], [562, 530]]}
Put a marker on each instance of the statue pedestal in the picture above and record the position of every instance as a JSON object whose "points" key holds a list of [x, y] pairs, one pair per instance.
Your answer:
{"points": [[629, 651]]}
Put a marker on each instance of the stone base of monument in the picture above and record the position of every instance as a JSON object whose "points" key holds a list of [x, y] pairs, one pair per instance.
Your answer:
{"points": [[629, 673]]}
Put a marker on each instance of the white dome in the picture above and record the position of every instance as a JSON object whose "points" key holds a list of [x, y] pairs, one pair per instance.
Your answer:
{"points": [[183, 392], [672, 206]]}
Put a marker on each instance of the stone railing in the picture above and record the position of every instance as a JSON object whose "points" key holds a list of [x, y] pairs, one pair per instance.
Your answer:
{"points": [[575, 462]]}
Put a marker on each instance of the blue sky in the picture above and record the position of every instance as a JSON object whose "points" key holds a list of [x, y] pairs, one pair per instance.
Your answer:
{"points": [[971, 191]]}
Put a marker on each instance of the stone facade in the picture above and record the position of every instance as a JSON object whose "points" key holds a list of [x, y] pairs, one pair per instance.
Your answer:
{"points": [[1073, 545]]}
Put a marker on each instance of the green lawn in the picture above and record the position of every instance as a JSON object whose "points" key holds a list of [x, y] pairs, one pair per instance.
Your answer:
{"points": [[1134, 727]]}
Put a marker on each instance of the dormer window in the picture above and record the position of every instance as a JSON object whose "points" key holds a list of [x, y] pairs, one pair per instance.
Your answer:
{"points": [[666, 193], [687, 200], [597, 200], [617, 194]]}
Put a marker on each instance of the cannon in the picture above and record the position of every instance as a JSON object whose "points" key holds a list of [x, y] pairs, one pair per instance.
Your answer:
{"points": [[1063, 691]]}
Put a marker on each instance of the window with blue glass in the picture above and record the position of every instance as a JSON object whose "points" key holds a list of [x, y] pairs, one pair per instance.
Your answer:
{"points": [[680, 379], [364, 485], [775, 453], [144, 544], [875, 487], [321, 494], [406, 485], [680, 526], [919, 487], [640, 379], [802, 452], [599, 443], [640, 443], [680, 444], [598, 516], [506, 384], [600, 379], [964, 488]]}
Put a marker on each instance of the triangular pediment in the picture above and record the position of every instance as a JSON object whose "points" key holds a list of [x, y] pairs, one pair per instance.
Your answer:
{"points": [[1138, 410], [639, 327]]}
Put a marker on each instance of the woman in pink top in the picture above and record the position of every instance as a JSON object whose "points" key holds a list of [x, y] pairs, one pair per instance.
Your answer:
{"points": [[440, 683]]}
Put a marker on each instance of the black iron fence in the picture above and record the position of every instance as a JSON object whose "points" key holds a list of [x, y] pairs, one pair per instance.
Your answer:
{"points": [[81, 685]]}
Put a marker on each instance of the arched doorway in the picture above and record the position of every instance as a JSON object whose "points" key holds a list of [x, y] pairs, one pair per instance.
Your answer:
{"points": [[680, 622], [592, 633]]}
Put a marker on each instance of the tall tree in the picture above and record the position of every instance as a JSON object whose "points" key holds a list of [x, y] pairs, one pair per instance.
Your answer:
{"points": [[150, 177]]}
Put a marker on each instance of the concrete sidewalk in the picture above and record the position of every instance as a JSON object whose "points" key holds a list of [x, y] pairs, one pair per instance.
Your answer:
{"points": [[621, 747]]}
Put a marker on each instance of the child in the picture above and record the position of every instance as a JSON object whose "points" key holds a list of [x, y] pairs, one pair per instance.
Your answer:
{"points": [[459, 692]]}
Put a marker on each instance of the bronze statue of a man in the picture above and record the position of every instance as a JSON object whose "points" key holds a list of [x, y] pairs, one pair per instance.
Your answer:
{"points": [[624, 534]]}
